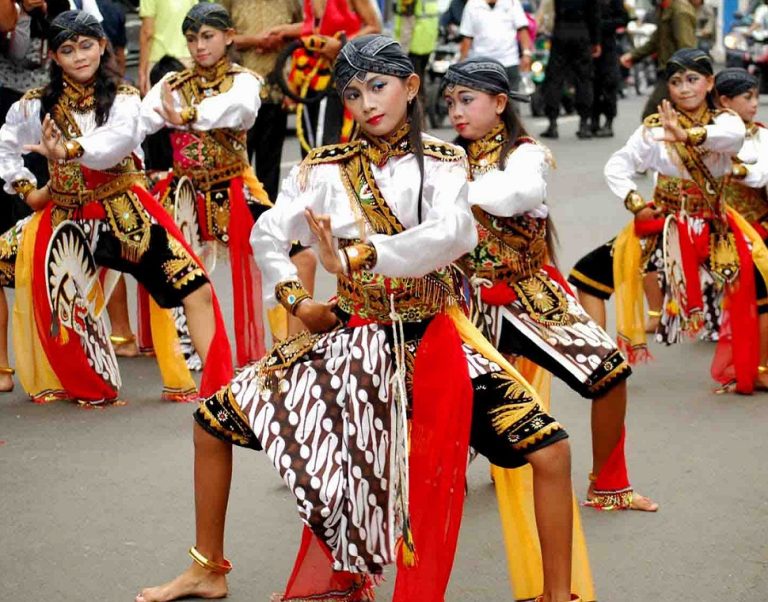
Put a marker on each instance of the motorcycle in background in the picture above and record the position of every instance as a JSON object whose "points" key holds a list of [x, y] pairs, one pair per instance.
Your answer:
{"points": [[639, 30], [748, 48], [446, 53]]}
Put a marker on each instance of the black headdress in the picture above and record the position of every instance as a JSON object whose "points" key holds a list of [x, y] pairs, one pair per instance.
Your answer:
{"points": [[71, 24], [734, 81], [371, 53], [483, 74], [206, 13], [689, 59]]}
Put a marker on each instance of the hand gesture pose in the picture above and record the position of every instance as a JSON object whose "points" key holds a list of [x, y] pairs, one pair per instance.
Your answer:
{"points": [[673, 131], [320, 225], [168, 110], [51, 145]]}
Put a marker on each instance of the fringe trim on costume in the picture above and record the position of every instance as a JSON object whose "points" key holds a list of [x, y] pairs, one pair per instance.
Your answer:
{"points": [[362, 592], [611, 500], [90, 404], [180, 395], [635, 354], [49, 396]]}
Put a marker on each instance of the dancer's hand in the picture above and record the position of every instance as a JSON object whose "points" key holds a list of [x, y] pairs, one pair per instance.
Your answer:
{"points": [[673, 131], [39, 198], [648, 213], [51, 145], [168, 111], [327, 251], [317, 317]]}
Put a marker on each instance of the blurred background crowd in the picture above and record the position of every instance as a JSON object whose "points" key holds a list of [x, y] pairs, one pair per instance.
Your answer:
{"points": [[569, 56]]}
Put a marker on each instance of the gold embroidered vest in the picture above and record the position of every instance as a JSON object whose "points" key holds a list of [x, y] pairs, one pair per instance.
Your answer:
{"points": [[367, 294], [72, 185], [752, 203], [509, 248]]}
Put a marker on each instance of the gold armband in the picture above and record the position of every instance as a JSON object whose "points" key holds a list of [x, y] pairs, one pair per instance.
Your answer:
{"points": [[696, 135], [360, 256], [188, 115], [289, 293], [73, 150], [634, 202], [23, 187], [739, 171]]}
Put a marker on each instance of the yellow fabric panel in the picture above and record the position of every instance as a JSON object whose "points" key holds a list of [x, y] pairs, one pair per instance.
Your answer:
{"points": [[173, 368]]}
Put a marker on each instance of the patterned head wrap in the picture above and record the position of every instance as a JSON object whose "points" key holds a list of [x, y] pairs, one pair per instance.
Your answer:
{"points": [[370, 54], [71, 24], [483, 74], [734, 81], [689, 59], [207, 13]]}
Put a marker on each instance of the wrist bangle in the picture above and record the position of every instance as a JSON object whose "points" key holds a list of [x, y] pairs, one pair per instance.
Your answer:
{"points": [[739, 171], [72, 150], [290, 293], [634, 202], [344, 262], [188, 115], [696, 135], [527, 52], [360, 256], [23, 188]]}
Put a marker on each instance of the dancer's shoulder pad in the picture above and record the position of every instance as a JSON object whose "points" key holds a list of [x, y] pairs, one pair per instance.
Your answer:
{"points": [[443, 151]]}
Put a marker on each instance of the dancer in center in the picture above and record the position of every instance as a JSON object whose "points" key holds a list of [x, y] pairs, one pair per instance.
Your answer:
{"points": [[379, 395], [522, 300]]}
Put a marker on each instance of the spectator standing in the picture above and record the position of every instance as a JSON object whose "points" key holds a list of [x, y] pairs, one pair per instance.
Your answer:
{"points": [[607, 74], [113, 22], [258, 50], [676, 29], [493, 28], [160, 34], [452, 15], [417, 24], [575, 43]]}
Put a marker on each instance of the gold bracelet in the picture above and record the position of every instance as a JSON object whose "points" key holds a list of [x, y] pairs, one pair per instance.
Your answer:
{"points": [[762, 369], [72, 150], [652, 313], [634, 202], [188, 115], [23, 188], [289, 293], [360, 256], [696, 135], [739, 171], [221, 568]]}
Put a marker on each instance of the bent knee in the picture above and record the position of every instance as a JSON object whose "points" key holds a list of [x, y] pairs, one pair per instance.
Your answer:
{"points": [[554, 459], [202, 296]]}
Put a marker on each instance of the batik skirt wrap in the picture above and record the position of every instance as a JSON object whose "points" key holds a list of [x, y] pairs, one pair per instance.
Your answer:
{"points": [[325, 410], [231, 223], [60, 367]]}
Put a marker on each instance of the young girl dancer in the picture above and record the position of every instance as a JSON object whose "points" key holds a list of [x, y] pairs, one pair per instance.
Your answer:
{"points": [[325, 406], [745, 191], [85, 124], [210, 108], [523, 303], [690, 145]]}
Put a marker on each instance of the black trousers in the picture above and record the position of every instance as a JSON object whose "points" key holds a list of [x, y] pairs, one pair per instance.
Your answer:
{"points": [[569, 60], [265, 145], [12, 208], [606, 83]]}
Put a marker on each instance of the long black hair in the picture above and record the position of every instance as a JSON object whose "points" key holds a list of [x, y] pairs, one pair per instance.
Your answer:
{"points": [[71, 25]]}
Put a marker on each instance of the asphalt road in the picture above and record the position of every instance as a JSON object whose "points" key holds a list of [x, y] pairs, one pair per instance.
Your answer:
{"points": [[96, 504]]}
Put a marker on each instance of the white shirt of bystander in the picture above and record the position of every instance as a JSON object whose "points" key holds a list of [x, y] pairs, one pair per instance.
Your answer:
{"points": [[494, 29]]}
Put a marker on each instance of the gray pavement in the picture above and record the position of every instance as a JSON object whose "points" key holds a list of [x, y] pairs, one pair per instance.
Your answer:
{"points": [[96, 504]]}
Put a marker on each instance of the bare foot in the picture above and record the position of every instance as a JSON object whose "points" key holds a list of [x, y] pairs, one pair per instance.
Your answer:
{"points": [[125, 346], [195, 582], [643, 504], [6, 383]]}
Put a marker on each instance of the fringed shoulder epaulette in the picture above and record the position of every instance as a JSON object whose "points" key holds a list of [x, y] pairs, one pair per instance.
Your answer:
{"points": [[322, 155], [178, 79], [33, 94], [128, 89], [652, 121], [443, 151]]}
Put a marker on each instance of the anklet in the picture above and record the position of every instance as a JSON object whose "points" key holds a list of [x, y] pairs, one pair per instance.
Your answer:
{"points": [[219, 568], [652, 313], [11, 371], [118, 340]]}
